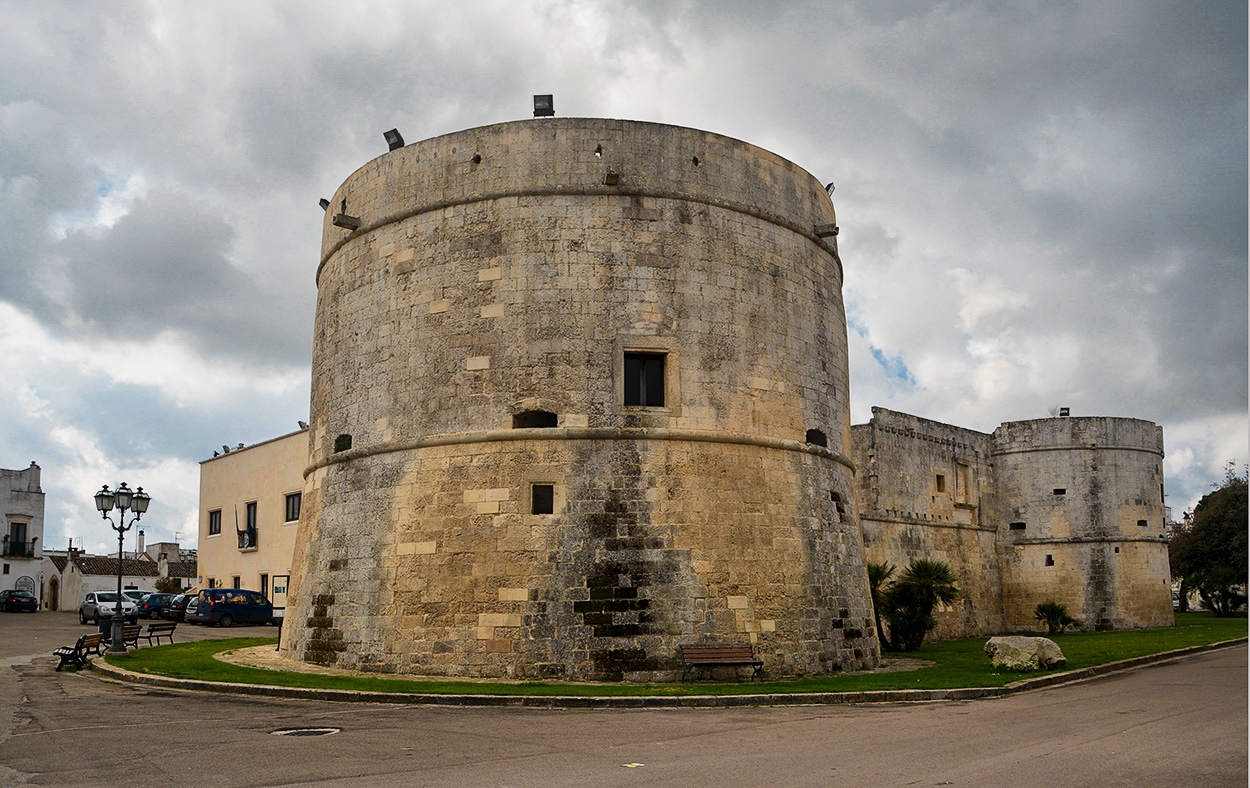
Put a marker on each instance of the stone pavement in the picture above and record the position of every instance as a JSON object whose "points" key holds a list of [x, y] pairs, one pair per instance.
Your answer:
{"points": [[1178, 723]]}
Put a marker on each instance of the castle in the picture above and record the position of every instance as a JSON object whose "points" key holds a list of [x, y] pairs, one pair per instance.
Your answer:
{"points": [[580, 396], [1066, 509]]}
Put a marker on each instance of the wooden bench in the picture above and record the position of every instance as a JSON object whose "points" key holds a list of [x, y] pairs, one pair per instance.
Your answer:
{"points": [[130, 635], [77, 653], [708, 656], [162, 630]]}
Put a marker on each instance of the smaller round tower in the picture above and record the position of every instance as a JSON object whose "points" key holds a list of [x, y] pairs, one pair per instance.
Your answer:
{"points": [[1083, 520]]}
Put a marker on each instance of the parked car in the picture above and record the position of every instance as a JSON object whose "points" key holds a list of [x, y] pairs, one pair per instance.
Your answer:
{"points": [[175, 608], [18, 601], [189, 614], [103, 604], [228, 606], [135, 595], [151, 604]]}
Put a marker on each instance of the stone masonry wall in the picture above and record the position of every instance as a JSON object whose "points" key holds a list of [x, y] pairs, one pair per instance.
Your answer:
{"points": [[509, 269], [1082, 502], [926, 490]]}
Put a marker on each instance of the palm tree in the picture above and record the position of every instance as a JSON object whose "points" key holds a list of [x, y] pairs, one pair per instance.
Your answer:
{"points": [[878, 577], [910, 601]]}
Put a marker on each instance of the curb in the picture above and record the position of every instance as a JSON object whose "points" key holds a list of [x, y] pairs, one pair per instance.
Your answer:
{"points": [[652, 701]]}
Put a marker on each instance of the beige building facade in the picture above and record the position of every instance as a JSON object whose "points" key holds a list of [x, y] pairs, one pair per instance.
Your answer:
{"points": [[250, 502]]}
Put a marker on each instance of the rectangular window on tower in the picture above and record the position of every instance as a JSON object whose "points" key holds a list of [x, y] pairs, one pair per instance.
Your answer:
{"points": [[214, 522], [644, 379], [542, 499], [293, 502]]}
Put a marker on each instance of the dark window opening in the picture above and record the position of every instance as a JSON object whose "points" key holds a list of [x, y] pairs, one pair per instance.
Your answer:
{"points": [[1050, 560], [939, 481], [264, 584], [214, 522], [1060, 491], [644, 379], [816, 438], [235, 582], [542, 499], [342, 443], [1143, 523], [837, 501], [534, 418], [1117, 549], [293, 503], [247, 537], [1016, 526]]}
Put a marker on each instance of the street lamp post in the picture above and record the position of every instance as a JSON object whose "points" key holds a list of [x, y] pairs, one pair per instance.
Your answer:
{"points": [[137, 502]]}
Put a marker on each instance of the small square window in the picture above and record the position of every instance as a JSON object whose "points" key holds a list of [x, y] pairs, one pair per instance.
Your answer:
{"points": [[293, 502], [1060, 491], [214, 522], [940, 482], [644, 379], [1143, 523], [1050, 560], [542, 499], [6, 569], [234, 582], [1016, 526]]}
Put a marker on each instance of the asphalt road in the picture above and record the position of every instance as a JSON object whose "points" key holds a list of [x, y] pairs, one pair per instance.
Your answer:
{"points": [[1182, 723]]}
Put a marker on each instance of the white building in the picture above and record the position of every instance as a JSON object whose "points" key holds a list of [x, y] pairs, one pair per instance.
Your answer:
{"points": [[21, 507]]}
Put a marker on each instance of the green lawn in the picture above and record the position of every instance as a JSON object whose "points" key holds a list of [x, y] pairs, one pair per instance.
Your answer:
{"points": [[957, 663]]}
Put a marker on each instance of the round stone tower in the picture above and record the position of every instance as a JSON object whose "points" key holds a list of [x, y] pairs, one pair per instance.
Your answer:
{"points": [[579, 398], [1084, 520]]}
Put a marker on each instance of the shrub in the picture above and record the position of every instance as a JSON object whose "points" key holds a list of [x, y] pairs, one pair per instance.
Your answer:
{"points": [[1055, 617], [908, 604]]}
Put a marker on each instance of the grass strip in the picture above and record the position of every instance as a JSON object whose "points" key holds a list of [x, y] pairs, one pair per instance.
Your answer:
{"points": [[957, 664]]}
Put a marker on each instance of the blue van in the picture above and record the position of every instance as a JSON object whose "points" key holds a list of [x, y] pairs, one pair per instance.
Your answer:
{"points": [[228, 606]]}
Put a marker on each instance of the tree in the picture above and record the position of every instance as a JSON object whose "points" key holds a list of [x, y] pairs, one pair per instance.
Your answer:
{"points": [[1210, 555], [908, 604], [878, 582], [1055, 616], [169, 585]]}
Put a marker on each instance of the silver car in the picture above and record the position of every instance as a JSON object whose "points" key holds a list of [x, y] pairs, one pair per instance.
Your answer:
{"points": [[103, 604]]}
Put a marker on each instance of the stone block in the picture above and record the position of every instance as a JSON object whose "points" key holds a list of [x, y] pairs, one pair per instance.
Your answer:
{"points": [[1024, 654]]}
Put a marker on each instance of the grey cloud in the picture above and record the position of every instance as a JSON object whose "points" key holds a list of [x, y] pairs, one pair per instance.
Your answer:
{"points": [[164, 266]]}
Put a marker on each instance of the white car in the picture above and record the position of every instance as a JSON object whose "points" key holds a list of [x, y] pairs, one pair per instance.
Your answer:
{"points": [[103, 604]]}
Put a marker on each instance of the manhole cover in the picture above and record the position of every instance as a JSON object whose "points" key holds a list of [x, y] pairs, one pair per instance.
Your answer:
{"points": [[305, 731]]}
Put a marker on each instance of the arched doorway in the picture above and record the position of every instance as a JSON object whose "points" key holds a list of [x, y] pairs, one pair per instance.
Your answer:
{"points": [[54, 593]]}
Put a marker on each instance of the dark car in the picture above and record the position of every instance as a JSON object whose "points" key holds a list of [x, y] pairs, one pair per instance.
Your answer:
{"points": [[151, 605], [229, 606], [175, 608], [18, 601]]}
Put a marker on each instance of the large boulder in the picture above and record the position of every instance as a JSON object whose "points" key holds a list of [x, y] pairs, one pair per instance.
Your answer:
{"points": [[1024, 654]]}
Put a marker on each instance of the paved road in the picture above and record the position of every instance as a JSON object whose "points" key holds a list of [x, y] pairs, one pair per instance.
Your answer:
{"points": [[1177, 724]]}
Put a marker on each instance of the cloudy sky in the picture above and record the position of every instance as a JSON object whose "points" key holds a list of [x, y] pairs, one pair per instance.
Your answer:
{"points": [[1041, 204]]}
